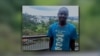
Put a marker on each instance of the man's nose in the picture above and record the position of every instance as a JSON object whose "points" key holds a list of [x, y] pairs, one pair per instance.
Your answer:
{"points": [[63, 15]]}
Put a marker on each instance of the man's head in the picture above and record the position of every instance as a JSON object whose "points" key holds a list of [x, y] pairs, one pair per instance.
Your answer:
{"points": [[62, 14]]}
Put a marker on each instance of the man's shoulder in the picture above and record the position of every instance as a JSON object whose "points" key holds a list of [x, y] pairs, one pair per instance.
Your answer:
{"points": [[71, 25], [53, 25]]}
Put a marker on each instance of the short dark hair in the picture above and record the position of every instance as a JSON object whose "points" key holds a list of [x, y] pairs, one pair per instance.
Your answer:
{"points": [[63, 9]]}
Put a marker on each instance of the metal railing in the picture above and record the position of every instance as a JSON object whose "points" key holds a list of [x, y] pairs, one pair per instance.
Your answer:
{"points": [[40, 42]]}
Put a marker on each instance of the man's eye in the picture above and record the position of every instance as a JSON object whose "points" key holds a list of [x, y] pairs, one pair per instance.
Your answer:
{"points": [[62, 15]]}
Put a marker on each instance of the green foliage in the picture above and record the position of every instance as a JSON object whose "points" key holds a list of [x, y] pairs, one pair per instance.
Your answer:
{"points": [[32, 27]]}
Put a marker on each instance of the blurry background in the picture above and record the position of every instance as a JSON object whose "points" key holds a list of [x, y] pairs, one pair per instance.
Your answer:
{"points": [[11, 20]]}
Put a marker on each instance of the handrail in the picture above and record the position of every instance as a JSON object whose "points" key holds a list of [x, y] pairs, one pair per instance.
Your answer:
{"points": [[35, 36]]}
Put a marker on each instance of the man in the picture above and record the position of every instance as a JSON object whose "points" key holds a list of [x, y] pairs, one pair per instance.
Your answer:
{"points": [[62, 34]]}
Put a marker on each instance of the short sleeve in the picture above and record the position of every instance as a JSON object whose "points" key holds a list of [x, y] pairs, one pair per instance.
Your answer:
{"points": [[74, 34], [49, 34]]}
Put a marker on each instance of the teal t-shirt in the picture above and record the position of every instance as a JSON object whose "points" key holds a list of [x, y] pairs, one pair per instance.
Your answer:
{"points": [[62, 36]]}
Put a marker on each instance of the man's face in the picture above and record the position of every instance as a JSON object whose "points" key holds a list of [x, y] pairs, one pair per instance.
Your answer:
{"points": [[62, 15]]}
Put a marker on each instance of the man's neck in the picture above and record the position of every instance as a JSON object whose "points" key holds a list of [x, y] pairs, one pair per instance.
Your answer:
{"points": [[62, 23]]}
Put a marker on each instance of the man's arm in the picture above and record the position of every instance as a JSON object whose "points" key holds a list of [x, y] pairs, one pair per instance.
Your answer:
{"points": [[74, 37], [72, 44], [50, 43], [50, 35]]}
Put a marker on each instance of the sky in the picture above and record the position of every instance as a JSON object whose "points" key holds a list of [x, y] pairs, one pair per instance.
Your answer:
{"points": [[49, 10]]}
